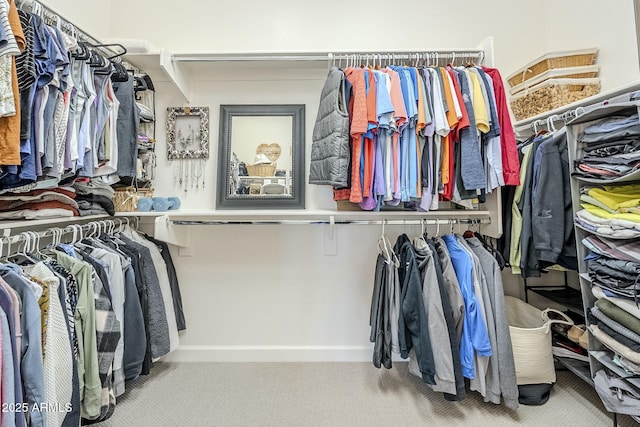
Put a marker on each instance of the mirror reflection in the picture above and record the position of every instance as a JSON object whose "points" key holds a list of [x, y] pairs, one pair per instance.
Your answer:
{"points": [[261, 157], [261, 164]]}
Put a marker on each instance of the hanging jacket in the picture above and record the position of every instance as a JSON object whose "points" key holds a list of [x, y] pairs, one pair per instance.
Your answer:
{"points": [[510, 161], [413, 326], [438, 325], [502, 357], [330, 152], [552, 214]]}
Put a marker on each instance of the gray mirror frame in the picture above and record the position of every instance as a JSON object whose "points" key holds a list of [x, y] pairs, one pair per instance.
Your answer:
{"points": [[297, 113]]}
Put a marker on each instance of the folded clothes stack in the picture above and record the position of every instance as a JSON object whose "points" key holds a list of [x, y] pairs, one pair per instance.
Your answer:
{"points": [[612, 148], [94, 198], [627, 365], [614, 265], [39, 204], [617, 323]]}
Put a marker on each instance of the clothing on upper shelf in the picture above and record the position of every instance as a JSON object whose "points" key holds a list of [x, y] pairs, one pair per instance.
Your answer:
{"points": [[407, 134], [611, 148], [60, 113], [452, 322], [74, 329]]}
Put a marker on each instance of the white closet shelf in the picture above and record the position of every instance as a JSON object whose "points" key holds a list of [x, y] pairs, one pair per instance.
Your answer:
{"points": [[592, 101], [11, 224], [179, 68]]}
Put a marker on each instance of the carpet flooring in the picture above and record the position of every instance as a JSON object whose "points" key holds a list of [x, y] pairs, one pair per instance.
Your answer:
{"points": [[331, 394]]}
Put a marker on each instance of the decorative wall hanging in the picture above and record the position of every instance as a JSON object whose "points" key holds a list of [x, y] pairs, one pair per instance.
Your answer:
{"points": [[188, 145]]}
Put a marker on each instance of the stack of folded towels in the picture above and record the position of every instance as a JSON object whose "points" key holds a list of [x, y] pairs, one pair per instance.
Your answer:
{"points": [[39, 204], [94, 198]]}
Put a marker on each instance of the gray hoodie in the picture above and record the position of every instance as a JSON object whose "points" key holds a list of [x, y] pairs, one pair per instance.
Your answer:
{"points": [[503, 354], [438, 331]]}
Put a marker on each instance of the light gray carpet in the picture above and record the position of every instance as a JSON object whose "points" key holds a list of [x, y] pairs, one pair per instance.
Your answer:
{"points": [[331, 394]]}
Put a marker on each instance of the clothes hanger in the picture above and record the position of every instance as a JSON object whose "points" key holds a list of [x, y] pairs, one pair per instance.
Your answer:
{"points": [[22, 257], [382, 244]]}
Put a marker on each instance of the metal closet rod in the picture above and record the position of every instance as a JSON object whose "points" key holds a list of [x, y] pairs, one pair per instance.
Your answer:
{"points": [[319, 56], [417, 56], [447, 221], [77, 230]]}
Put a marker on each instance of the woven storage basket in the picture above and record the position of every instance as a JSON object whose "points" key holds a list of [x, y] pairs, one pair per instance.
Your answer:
{"points": [[530, 331], [261, 170], [126, 199], [564, 59], [586, 72], [552, 94]]}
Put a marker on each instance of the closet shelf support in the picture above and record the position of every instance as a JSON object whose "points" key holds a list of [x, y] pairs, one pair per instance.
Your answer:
{"points": [[182, 238]]}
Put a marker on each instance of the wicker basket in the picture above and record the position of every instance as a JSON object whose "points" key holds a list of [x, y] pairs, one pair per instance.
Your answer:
{"points": [[565, 59], [126, 199], [586, 72], [552, 94], [261, 170]]}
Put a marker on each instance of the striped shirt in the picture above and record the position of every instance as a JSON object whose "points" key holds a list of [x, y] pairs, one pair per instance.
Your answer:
{"points": [[25, 62]]}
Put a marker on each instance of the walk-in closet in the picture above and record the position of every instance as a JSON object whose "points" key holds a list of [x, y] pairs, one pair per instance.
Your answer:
{"points": [[253, 213]]}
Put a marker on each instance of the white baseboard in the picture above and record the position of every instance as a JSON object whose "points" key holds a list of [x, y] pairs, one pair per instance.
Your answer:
{"points": [[266, 353]]}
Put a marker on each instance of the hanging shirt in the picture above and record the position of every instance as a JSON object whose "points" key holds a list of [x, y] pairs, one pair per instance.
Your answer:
{"points": [[510, 161], [359, 126], [475, 338], [479, 104], [31, 354], [471, 165], [408, 155], [400, 116], [11, 379], [368, 154], [495, 177], [10, 126]]}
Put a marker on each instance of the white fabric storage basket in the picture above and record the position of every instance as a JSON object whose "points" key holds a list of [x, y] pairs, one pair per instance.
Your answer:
{"points": [[530, 330]]}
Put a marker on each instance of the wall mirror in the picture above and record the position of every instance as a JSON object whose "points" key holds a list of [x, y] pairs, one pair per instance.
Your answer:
{"points": [[261, 157]]}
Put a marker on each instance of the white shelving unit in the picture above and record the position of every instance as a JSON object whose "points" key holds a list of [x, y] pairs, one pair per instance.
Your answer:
{"points": [[599, 355]]}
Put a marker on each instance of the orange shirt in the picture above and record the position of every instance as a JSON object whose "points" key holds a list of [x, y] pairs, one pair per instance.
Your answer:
{"points": [[452, 120], [10, 126], [359, 124]]}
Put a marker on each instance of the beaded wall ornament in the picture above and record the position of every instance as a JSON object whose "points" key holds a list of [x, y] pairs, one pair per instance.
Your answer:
{"points": [[188, 145]]}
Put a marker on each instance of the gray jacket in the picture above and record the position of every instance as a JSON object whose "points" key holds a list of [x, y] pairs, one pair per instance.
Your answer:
{"points": [[552, 215], [503, 354], [452, 285], [330, 155], [438, 331]]}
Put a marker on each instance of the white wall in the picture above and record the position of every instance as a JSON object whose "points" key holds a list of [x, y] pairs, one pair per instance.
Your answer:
{"points": [[330, 25], [93, 17], [270, 292], [609, 26]]}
